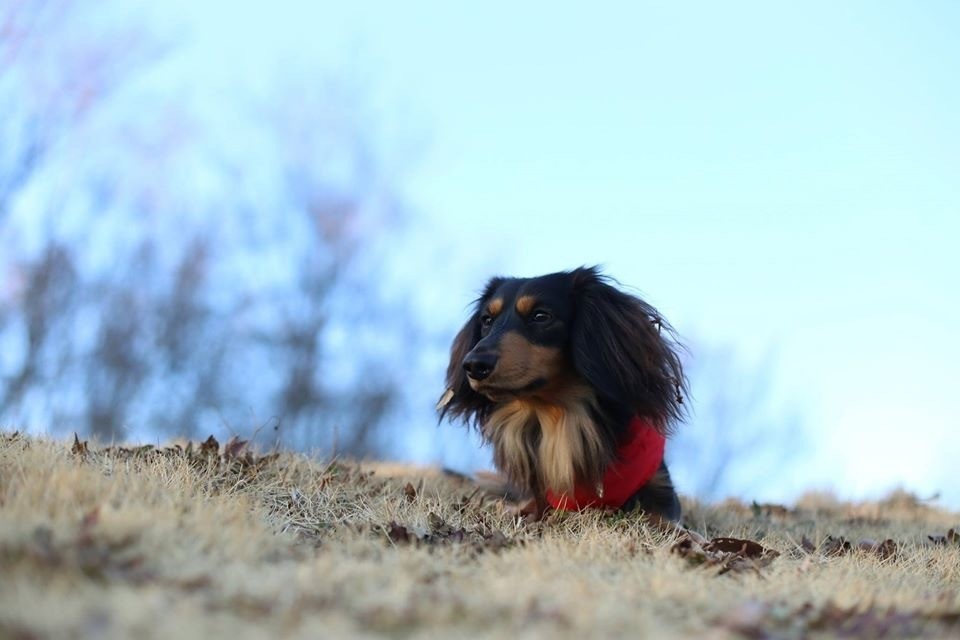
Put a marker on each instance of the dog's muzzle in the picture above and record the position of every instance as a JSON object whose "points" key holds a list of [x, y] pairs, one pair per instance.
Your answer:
{"points": [[479, 365]]}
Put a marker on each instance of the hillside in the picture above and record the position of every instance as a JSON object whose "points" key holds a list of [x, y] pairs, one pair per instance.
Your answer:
{"points": [[205, 541]]}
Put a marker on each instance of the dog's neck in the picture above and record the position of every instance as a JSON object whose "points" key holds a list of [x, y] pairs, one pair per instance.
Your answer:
{"points": [[550, 442]]}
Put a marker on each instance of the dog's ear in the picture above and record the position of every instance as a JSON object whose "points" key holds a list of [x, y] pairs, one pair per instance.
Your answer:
{"points": [[461, 401], [626, 351]]}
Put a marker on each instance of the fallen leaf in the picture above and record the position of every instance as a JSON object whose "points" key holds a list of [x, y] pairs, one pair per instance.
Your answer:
{"points": [[234, 448], [835, 546], [399, 534], [79, 448], [729, 554], [745, 548], [886, 549], [210, 448], [410, 492]]}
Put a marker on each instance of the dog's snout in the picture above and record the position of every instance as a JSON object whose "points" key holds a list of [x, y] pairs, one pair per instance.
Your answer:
{"points": [[480, 365]]}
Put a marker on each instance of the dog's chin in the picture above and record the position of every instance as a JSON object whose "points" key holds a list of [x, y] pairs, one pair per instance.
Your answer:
{"points": [[502, 392]]}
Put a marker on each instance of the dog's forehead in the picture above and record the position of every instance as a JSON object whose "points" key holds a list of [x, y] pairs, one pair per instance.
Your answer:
{"points": [[505, 291], [553, 285], [552, 289]]}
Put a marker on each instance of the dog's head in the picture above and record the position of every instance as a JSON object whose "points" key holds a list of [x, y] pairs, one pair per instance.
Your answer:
{"points": [[534, 337]]}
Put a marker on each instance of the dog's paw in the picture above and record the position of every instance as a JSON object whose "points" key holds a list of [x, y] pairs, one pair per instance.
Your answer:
{"points": [[529, 510]]}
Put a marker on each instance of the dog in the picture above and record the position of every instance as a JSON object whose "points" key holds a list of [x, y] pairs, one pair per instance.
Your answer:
{"points": [[576, 385]]}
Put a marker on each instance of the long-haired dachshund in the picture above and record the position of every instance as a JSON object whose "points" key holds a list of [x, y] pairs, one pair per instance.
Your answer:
{"points": [[576, 384]]}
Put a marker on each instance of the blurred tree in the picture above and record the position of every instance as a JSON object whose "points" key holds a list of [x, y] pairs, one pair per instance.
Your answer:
{"points": [[170, 269]]}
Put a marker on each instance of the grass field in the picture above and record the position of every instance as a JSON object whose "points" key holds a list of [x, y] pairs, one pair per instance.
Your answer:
{"points": [[213, 541]]}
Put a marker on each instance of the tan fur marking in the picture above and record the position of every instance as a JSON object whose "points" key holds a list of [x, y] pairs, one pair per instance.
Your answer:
{"points": [[522, 362], [508, 429], [525, 305], [570, 447], [495, 306]]}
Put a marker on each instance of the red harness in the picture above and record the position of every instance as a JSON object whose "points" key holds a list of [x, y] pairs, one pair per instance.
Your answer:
{"points": [[637, 461]]}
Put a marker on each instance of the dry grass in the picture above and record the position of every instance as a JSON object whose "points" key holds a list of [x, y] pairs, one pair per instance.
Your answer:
{"points": [[160, 544]]}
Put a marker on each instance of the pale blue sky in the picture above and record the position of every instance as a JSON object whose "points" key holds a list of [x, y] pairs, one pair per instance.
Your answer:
{"points": [[778, 178]]}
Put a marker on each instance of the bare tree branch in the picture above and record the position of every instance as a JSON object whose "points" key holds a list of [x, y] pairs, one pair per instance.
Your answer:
{"points": [[186, 327]]}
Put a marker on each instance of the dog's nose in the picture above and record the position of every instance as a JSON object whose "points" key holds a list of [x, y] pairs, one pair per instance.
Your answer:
{"points": [[480, 365]]}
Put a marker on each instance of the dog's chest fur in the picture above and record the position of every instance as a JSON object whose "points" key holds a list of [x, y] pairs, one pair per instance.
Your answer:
{"points": [[553, 444]]}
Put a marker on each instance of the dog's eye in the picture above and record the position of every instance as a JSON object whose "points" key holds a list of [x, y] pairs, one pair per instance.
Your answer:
{"points": [[541, 316], [486, 321]]}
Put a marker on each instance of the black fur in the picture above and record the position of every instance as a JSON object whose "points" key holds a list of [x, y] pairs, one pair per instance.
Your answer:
{"points": [[466, 403], [622, 347], [601, 336]]}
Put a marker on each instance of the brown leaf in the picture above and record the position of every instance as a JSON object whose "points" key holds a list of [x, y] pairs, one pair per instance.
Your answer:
{"points": [[210, 448], [835, 546], [886, 549], [730, 554], [684, 546], [410, 492], [745, 548], [399, 534], [443, 532], [79, 448], [234, 448]]}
